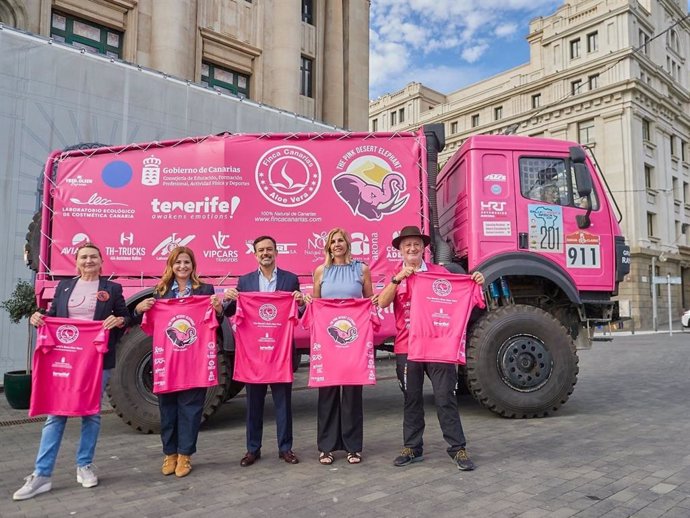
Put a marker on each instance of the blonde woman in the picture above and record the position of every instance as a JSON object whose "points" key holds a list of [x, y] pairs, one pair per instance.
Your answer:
{"points": [[340, 422]]}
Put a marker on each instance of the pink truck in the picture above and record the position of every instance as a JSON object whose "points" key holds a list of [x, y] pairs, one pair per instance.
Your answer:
{"points": [[551, 264]]}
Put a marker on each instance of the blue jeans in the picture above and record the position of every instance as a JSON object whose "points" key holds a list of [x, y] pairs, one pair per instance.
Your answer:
{"points": [[51, 437], [181, 414]]}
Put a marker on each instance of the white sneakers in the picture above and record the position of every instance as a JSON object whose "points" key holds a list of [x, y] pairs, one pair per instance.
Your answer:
{"points": [[86, 476], [34, 485]]}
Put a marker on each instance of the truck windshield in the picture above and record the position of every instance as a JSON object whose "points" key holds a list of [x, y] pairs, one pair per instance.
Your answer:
{"points": [[552, 180]]}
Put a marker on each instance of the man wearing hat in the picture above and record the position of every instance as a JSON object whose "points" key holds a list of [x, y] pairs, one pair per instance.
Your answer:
{"points": [[411, 242]]}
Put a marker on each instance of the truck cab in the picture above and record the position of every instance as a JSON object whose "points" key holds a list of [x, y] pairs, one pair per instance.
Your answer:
{"points": [[534, 217]]}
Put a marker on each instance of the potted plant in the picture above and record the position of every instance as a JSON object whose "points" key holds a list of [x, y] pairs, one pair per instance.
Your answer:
{"points": [[20, 305]]}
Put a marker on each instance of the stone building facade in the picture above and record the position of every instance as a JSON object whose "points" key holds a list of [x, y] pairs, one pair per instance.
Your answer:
{"points": [[611, 74], [310, 57]]}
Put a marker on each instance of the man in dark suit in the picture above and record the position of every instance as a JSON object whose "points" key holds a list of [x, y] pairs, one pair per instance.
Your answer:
{"points": [[267, 278]]}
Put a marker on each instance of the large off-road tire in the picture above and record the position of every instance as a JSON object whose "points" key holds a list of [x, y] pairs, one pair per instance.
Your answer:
{"points": [[521, 362], [131, 386]]}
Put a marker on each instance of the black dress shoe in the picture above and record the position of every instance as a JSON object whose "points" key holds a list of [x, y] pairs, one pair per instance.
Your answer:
{"points": [[289, 457], [250, 458]]}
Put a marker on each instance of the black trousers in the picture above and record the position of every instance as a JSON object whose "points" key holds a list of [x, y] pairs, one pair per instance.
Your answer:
{"points": [[180, 419], [340, 419], [282, 400], [444, 378]]}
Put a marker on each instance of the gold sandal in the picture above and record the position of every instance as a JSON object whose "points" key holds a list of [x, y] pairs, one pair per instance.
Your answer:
{"points": [[354, 458], [326, 458]]}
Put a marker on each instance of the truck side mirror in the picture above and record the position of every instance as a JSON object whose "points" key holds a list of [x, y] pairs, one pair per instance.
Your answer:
{"points": [[577, 155], [583, 179], [584, 190]]}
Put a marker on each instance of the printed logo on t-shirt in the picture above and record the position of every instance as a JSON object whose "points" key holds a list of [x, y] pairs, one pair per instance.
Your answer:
{"points": [[441, 287], [268, 312], [61, 364], [343, 330], [67, 333], [181, 332]]}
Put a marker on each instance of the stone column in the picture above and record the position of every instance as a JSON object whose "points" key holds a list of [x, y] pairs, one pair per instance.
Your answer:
{"points": [[173, 37], [357, 65], [333, 65], [282, 53]]}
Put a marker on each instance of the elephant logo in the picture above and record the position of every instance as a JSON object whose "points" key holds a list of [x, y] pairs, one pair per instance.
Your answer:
{"points": [[343, 331], [181, 333], [371, 189]]}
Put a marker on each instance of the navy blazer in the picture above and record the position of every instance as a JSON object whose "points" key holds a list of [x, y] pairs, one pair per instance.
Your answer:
{"points": [[203, 289], [115, 305], [285, 281]]}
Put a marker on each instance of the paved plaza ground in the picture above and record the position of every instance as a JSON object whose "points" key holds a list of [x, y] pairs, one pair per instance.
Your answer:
{"points": [[618, 448]]}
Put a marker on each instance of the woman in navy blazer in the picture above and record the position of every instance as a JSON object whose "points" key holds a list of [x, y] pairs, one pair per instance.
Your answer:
{"points": [[180, 411], [91, 297]]}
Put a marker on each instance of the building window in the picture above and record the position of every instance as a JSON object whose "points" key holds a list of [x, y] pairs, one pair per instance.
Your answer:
{"points": [[593, 81], [673, 41], [401, 115], [676, 189], [686, 192], [650, 224], [498, 113], [453, 128], [575, 49], [575, 87], [475, 120], [646, 130], [593, 42], [648, 177], [672, 143], [644, 42], [394, 118], [536, 100], [683, 150], [374, 125], [308, 13], [86, 35], [585, 132], [224, 79], [306, 70]]}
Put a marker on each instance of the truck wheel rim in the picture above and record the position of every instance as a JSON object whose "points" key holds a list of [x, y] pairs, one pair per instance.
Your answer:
{"points": [[524, 363], [144, 379]]}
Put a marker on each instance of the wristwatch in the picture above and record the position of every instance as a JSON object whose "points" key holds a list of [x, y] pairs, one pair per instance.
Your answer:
{"points": [[395, 281]]}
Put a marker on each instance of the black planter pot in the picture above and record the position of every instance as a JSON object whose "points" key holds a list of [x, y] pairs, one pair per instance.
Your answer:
{"points": [[18, 389]]}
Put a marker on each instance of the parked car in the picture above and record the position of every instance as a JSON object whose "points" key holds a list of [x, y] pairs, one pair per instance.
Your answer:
{"points": [[685, 319]]}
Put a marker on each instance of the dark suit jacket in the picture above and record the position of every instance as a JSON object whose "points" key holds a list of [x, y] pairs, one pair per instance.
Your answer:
{"points": [[115, 305], [204, 289], [285, 281]]}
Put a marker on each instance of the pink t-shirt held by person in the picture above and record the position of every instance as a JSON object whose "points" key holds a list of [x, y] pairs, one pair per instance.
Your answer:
{"points": [[264, 325], [401, 310], [439, 310], [342, 341], [68, 367], [184, 343]]}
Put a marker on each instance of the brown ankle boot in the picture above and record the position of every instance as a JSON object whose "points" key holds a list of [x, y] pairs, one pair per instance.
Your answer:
{"points": [[184, 465], [169, 464]]}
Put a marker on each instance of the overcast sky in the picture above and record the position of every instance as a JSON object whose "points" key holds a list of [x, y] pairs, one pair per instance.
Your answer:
{"points": [[447, 44]]}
